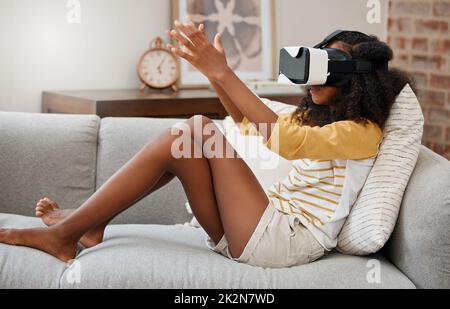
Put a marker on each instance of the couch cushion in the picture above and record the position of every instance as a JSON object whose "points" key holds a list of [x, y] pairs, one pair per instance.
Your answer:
{"points": [[154, 256], [119, 141], [176, 257], [46, 155], [420, 244]]}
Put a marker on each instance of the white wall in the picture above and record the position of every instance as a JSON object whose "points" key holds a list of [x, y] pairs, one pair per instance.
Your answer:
{"points": [[40, 51]]}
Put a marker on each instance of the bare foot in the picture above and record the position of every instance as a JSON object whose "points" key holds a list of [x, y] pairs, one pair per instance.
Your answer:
{"points": [[51, 214], [43, 239]]}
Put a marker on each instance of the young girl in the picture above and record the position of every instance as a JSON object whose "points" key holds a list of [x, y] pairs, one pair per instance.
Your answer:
{"points": [[332, 140]]}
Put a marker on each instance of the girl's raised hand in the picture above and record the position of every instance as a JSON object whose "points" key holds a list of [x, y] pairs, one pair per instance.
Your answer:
{"points": [[195, 48]]}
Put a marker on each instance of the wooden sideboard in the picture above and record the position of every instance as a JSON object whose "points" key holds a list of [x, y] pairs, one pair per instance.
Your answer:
{"points": [[133, 103]]}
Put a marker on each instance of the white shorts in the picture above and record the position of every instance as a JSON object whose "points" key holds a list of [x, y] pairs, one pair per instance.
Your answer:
{"points": [[279, 241]]}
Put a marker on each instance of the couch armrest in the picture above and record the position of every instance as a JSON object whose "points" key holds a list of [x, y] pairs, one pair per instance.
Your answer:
{"points": [[420, 243]]}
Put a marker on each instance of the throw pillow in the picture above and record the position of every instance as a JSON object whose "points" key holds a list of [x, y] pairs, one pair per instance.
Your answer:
{"points": [[375, 212]]}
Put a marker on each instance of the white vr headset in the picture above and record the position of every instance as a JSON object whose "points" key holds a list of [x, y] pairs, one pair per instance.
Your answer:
{"points": [[319, 65]]}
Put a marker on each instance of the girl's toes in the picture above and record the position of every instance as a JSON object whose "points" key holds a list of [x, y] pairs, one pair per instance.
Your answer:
{"points": [[45, 205], [40, 207], [39, 211], [52, 203]]}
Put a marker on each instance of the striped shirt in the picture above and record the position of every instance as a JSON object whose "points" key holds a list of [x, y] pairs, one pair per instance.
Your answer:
{"points": [[330, 166]]}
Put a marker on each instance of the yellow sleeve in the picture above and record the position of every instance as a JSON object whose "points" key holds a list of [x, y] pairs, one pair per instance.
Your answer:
{"points": [[343, 140], [248, 129]]}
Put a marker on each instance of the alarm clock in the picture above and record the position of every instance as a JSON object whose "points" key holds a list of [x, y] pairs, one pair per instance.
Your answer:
{"points": [[158, 68]]}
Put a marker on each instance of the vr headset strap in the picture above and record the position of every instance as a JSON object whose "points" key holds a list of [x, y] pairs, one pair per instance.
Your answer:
{"points": [[335, 34], [349, 66], [329, 38]]}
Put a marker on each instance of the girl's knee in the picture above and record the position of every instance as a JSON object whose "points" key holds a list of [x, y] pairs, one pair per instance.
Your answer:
{"points": [[198, 121], [200, 125]]}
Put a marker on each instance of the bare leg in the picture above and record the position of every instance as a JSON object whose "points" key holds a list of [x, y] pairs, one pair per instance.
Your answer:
{"points": [[51, 214], [241, 199], [127, 186]]}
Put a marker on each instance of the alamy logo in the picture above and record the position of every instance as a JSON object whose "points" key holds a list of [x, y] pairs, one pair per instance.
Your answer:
{"points": [[205, 140], [374, 273], [73, 15], [374, 13]]}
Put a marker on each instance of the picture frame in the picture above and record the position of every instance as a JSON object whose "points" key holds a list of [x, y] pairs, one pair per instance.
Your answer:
{"points": [[254, 61]]}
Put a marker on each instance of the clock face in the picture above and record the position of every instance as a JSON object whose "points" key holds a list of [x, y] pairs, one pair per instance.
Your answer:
{"points": [[158, 68]]}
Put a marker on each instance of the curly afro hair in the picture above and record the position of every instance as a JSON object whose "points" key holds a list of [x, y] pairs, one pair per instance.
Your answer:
{"points": [[367, 96]]}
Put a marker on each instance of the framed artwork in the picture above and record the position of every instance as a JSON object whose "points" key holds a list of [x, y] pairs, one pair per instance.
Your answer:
{"points": [[248, 35]]}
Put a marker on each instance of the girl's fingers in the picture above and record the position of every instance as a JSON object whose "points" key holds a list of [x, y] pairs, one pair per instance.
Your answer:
{"points": [[181, 53], [197, 37], [182, 48], [181, 40], [218, 43], [188, 31], [183, 28], [190, 24], [185, 53]]}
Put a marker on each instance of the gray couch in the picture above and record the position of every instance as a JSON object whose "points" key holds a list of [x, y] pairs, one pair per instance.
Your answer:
{"points": [[68, 157]]}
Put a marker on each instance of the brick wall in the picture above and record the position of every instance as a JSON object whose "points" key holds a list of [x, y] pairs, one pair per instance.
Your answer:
{"points": [[419, 33]]}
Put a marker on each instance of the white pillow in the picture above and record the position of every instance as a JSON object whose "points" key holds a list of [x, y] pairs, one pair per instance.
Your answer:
{"points": [[267, 166], [375, 212]]}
